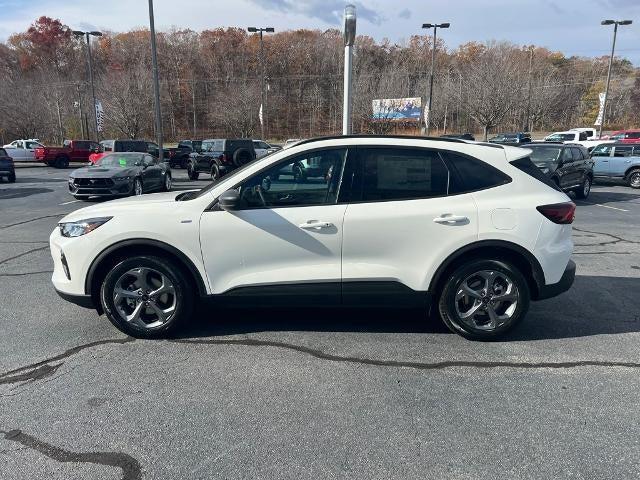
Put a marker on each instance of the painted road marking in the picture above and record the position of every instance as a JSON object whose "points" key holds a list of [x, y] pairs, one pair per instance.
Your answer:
{"points": [[612, 208], [72, 201]]}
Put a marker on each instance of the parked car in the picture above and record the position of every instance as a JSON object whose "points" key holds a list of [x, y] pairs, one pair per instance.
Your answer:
{"points": [[71, 151], [179, 156], [568, 166], [7, 169], [263, 148], [625, 136], [511, 138], [617, 161], [461, 136], [219, 156], [471, 231], [108, 146], [576, 137], [120, 174], [592, 133], [23, 150]]}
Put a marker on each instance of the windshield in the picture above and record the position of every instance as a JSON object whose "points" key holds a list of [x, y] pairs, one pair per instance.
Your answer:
{"points": [[119, 160], [544, 154], [560, 137]]}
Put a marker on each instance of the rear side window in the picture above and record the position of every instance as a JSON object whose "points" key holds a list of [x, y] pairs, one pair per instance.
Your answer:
{"points": [[402, 174], [473, 174], [526, 165], [633, 135], [622, 151]]}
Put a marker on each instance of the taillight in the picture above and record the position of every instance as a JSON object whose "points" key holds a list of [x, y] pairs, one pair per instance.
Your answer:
{"points": [[224, 158], [561, 213]]}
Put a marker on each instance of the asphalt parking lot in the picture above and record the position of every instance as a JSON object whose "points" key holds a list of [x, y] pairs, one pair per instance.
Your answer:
{"points": [[321, 394]]}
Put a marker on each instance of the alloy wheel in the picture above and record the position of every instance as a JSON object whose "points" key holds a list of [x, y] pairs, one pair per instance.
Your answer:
{"points": [[486, 300], [586, 187], [167, 182], [634, 180], [145, 297], [137, 188]]}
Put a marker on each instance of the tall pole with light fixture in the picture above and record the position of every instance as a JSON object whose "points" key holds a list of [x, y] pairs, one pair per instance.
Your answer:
{"points": [[156, 82], [79, 33], [435, 26], [349, 40], [263, 94], [615, 24]]}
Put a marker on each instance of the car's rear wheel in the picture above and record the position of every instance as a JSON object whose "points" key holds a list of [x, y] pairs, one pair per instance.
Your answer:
{"points": [[146, 297], [634, 178], [62, 161], [138, 189], [11, 178], [483, 299], [584, 189]]}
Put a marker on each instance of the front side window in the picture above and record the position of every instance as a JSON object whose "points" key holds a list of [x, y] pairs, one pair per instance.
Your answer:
{"points": [[603, 150], [566, 156], [577, 154], [3, 152], [402, 174], [309, 179]]}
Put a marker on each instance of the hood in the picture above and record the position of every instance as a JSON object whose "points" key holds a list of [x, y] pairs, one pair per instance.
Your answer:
{"points": [[122, 205], [104, 172]]}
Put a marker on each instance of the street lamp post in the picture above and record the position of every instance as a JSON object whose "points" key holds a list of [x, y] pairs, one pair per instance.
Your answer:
{"points": [[79, 33], [263, 106], [349, 40], [156, 83], [435, 26], [615, 23]]}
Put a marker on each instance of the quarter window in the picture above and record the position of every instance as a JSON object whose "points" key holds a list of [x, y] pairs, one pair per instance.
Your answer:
{"points": [[310, 179], [473, 174]]}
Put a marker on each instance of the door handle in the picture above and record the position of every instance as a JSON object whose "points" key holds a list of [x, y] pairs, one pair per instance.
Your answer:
{"points": [[447, 218], [315, 225]]}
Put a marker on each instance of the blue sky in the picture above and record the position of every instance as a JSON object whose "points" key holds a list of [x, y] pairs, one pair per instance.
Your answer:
{"points": [[570, 26]]}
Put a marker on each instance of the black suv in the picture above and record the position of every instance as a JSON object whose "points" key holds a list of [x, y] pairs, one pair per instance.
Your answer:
{"points": [[511, 138], [7, 169], [220, 156], [568, 165]]}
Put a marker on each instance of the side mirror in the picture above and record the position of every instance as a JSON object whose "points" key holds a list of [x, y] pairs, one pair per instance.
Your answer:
{"points": [[229, 200]]}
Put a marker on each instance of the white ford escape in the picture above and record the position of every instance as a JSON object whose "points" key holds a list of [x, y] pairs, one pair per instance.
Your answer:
{"points": [[473, 230]]}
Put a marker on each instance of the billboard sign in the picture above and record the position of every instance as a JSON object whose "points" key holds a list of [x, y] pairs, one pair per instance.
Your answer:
{"points": [[397, 109]]}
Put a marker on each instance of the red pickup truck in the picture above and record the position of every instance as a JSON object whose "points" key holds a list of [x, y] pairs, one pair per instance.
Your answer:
{"points": [[71, 151]]}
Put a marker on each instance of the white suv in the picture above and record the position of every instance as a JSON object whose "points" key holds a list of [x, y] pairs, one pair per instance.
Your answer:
{"points": [[473, 230]]}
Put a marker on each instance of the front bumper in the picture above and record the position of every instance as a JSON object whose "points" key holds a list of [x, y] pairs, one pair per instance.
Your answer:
{"points": [[555, 289], [97, 187], [84, 301]]}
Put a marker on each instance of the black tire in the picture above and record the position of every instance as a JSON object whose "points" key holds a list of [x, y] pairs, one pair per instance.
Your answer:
{"points": [[134, 190], [166, 184], [241, 157], [633, 178], [182, 296], [448, 306], [215, 172], [298, 175], [62, 161], [192, 172], [11, 178], [584, 189]]}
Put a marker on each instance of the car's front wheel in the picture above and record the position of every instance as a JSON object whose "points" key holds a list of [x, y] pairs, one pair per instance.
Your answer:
{"points": [[167, 182], [483, 299], [215, 172], [146, 297], [138, 189], [192, 172]]}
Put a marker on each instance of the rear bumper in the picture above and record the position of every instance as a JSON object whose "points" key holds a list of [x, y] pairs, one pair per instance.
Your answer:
{"points": [[84, 301], [555, 289]]}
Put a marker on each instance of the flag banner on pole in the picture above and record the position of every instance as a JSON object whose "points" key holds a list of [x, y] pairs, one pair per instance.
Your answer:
{"points": [[260, 114], [598, 121], [100, 116]]}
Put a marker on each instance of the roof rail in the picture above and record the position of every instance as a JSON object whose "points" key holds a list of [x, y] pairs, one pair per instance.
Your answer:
{"points": [[408, 137]]}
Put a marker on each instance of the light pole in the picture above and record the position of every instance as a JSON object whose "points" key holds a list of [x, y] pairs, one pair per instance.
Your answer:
{"points": [[435, 27], [156, 82], [615, 23], [79, 33], [263, 107], [349, 40]]}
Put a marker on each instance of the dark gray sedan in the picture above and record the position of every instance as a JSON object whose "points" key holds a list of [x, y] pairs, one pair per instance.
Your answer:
{"points": [[120, 174]]}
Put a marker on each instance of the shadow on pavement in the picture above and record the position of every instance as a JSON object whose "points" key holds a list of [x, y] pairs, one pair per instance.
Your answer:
{"points": [[594, 306], [8, 193]]}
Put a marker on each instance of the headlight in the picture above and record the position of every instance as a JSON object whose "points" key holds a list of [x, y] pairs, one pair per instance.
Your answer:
{"points": [[71, 179], [81, 227]]}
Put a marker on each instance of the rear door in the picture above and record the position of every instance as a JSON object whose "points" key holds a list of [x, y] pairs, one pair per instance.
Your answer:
{"points": [[402, 220], [621, 160], [565, 169]]}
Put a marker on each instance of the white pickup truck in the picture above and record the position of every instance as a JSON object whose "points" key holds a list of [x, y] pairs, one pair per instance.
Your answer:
{"points": [[23, 150], [582, 136]]}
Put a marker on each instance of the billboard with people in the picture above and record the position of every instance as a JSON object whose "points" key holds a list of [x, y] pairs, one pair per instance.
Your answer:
{"points": [[397, 108]]}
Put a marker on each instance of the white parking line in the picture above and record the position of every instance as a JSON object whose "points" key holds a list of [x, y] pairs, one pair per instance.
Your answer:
{"points": [[613, 208], [67, 203]]}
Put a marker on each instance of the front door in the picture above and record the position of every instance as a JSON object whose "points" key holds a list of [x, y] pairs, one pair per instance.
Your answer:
{"points": [[287, 232], [152, 174]]}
